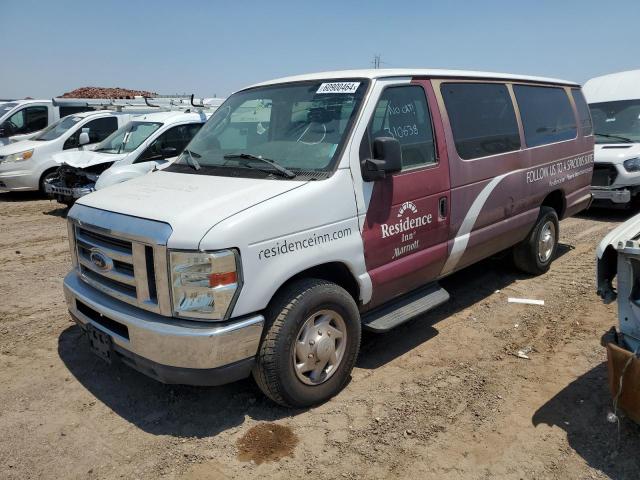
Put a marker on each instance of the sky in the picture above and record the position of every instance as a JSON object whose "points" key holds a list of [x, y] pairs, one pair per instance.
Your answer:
{"points": [[214, 48]]}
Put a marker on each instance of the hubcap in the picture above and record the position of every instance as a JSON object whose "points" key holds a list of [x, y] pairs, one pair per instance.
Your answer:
{"points": [[320, 346], [546, 241]]}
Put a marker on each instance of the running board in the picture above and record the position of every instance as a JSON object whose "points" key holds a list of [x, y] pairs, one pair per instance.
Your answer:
{"points": [[407, 307]]}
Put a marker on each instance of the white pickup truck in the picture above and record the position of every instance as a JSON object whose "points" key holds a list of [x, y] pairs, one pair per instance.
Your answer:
{"points": [[146, 143], [23, 119], [26, 165], [614, 101]]}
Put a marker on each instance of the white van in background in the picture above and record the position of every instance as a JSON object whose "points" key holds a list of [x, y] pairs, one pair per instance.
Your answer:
{"points": [[25, 165], [614, 101], [23, 119], [146, 143]]}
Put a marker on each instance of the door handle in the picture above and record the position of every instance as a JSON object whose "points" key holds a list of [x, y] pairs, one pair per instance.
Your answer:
{"points": [[442, 208]]}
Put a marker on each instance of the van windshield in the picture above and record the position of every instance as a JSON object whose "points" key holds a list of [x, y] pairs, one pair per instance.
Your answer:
{"points": [[57, 128], [128, 137], [616, 122], [281, 130]]}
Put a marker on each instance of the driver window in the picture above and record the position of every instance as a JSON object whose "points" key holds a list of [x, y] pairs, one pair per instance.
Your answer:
{"points": [[402, 113], [177, 138]]}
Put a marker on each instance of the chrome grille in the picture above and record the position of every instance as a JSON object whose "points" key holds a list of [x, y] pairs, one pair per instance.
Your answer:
{"points": [[126, 266]]}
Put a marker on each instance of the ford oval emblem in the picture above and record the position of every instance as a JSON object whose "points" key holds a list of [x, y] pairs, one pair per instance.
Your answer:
{"points": [[100, 260]]}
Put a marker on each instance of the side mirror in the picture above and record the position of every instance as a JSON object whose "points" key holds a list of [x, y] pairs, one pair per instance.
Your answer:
{"points": [[83, 139], [387, 158], [168, 152], [6, 130]]}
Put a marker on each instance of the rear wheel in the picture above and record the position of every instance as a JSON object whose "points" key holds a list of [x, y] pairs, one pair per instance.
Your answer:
{"points": [[311, 343], [536, 252]]}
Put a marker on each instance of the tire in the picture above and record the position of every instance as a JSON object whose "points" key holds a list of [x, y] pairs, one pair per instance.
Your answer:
{"points": [[536, 252], [45, 176], [308, 302]]}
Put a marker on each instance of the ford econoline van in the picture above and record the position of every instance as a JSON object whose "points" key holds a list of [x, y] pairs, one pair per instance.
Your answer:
{"points": [[309, 208]]}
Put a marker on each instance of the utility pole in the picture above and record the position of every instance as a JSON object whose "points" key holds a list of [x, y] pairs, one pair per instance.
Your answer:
{"points": [[376, 60]]}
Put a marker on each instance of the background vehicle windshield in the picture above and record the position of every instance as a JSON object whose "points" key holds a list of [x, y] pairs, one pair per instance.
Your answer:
{"points": [[299, 126], [621, 118], [128, 137], [6, 107], [56, 129]]}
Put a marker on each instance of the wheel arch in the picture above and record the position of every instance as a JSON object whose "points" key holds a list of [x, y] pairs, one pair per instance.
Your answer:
{"points": [[556, 200], [335, 272]]}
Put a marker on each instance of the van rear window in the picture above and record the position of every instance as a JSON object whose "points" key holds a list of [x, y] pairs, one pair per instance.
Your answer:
{"points": [[547, 116], [583, 112], [482, 117]]}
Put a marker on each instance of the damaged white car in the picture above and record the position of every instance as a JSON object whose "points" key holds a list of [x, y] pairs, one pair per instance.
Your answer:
{"points": [[618, 277], [149, 142]]}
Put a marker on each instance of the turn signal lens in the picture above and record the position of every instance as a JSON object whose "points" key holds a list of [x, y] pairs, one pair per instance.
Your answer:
{"points": [[219, 279]]}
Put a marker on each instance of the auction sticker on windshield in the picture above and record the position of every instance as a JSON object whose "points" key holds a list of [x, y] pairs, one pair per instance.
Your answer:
{"points": [[338, 87]]}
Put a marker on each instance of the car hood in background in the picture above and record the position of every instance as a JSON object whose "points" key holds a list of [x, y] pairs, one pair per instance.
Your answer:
{"points": [[616, 153], [20, 146], [87, 158]]}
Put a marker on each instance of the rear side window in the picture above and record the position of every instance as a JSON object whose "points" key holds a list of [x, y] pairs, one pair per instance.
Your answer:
{"points": [[547, 116], [482, 118], [584, 116], [402, 113]]}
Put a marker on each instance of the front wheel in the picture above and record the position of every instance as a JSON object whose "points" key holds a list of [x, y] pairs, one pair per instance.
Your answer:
{"points": [[311, 343], [536, 252]]}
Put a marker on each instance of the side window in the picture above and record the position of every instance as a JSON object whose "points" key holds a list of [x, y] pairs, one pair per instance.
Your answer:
{"points": [[584, 115], [101, 128], [36, 119], [547, 116], [402, 113], [482, 118], [17, 122], [175, 138]]}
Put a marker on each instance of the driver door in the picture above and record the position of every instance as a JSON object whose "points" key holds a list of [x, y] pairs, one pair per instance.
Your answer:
{"points": [[406, 226]]}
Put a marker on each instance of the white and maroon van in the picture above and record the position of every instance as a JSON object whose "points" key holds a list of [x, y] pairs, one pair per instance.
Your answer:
{"points": [[311, 207]]}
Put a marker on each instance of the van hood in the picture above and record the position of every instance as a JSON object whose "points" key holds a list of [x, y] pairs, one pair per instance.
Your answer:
{"points": [[190, 204], [20, 146], [616, 153], [86, 158]]}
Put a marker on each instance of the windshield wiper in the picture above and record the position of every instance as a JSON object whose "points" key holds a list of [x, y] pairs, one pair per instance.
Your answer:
{"points": [[192, 161], [285, 172], [619, 137]]}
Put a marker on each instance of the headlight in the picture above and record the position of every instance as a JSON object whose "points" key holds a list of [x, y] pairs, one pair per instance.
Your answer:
{"points": [[203, 285], [632, 165], [19, 156]]}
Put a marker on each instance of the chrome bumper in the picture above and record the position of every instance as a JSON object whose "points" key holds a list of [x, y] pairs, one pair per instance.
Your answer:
{"points": [[167, 344], [76, 192], [616, 196]]}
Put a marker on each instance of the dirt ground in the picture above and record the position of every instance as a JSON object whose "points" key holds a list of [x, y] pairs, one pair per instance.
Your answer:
{"points": [[441, 397]]}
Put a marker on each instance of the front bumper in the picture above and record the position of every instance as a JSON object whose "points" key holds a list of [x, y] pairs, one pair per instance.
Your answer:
{"points": [[621, 195], [75, 193], [170, 350], [17, 180]]}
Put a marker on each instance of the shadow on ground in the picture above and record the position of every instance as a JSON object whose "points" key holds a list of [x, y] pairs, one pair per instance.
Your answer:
{"points": [[21, 196], [580, 409], [159, 409]]}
